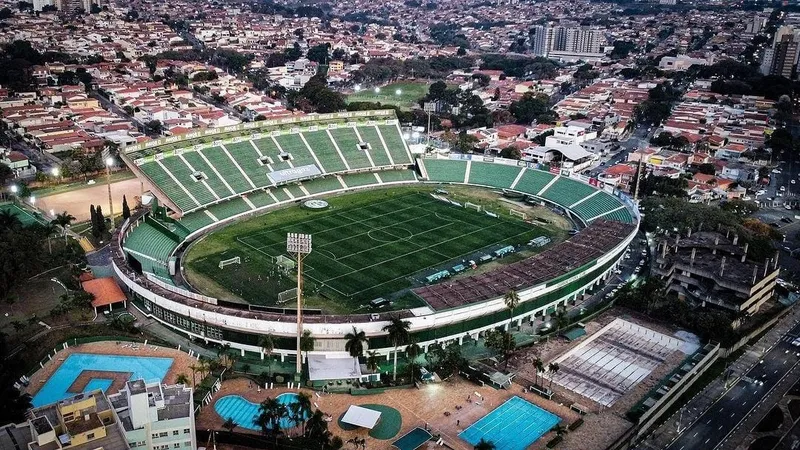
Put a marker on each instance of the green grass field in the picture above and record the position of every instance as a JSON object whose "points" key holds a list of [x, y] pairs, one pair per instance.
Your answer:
{"points": [[410, 93], [366, 245]]}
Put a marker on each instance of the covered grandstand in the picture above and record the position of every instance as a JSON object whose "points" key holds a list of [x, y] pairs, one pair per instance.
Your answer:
{"points": [[215, 177]]}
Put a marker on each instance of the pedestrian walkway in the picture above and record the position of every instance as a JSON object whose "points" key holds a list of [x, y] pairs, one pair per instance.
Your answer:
{"points": [[694, 408], [85, 244]]}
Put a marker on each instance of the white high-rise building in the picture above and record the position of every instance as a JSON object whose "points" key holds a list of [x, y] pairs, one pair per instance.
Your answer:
{"points": [[39, 4]]}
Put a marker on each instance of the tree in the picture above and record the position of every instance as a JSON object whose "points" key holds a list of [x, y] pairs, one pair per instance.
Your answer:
{"points": [[398, 335], [532, 108], [707, 169], [306, 342], [95, 224], [182, 378], [372, 361], [126, 211], [502, 342], [511, 152], [155, 126], [5, 174], [194, 368], [230, 424], [101, 220], [511, 300], [270, 413], [318, 53], [355, 342], [553, 368], [483, 444], [5, 13], [63, 220], [267, 344], [413, 350]]}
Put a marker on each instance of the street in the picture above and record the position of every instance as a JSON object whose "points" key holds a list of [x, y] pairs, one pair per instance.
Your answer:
{"points": [[716, 423]]}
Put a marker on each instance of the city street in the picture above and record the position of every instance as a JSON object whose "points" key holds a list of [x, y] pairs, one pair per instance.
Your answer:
{"points": [[718, 421]]}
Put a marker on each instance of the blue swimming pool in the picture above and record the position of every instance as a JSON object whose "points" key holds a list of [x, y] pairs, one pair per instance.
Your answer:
{"points": [[514, 425], [55, 388], [244, 412]]}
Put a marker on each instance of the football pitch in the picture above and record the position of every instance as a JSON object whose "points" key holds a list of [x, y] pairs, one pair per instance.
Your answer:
{"points": [[366, 247]]}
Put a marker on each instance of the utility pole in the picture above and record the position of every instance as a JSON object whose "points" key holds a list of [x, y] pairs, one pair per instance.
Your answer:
{"points": [[299, 245], [109, 163]]}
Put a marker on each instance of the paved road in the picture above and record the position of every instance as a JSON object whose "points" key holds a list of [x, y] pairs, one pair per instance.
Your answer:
{"points": [[714, 425]]}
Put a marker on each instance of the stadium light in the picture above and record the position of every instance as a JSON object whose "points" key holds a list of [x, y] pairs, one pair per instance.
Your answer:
{"points": [[14, 188], [398, 92], [55, 171], [377, 90], [299, 244], [415, 135], [357, 88]]}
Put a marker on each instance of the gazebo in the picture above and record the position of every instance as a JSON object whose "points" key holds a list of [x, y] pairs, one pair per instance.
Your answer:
{"points": [[106, 292], [361, 417]]}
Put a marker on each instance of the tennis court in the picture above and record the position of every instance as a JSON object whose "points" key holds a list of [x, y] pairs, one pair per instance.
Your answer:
{"points": [[24, 216], [514, 425]]}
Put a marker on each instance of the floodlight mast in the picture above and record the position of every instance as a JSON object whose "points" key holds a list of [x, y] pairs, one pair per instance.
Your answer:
{"points": [[299, 245]]}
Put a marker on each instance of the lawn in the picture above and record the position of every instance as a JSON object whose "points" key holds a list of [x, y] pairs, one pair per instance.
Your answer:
{"points": [[410, 94], [366, 245]]}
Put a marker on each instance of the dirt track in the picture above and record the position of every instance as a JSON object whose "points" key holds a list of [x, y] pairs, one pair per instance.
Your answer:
{"points": [[77, 202]]}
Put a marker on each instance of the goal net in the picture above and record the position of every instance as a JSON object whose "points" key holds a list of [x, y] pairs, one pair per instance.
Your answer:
{"points": [[472, 206], [519, 214], [285, 262], [285, 296], [227, 262]]}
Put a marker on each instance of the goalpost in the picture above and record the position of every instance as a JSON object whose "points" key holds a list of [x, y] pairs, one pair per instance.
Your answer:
{"points": [[285, 262], [473, 206], [227, 262], [519, 214], [287, 295]]}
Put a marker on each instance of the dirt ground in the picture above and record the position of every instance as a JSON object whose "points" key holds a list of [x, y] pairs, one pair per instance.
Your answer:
{"points": [[77, 202], [417, 406], [180, 364], [35, 298]]}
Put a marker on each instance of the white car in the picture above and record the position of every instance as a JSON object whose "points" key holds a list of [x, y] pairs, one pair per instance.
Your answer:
{"points": [[793, 182], [783, 188], [776, 171], [761, 192]]}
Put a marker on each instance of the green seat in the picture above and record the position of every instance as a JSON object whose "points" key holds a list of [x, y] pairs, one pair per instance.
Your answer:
{"points": [[347, 140], [495, 175], [446, 170], [394, 142]]}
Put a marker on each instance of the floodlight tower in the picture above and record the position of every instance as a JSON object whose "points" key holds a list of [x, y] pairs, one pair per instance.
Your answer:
{"points": [[299, 246]]}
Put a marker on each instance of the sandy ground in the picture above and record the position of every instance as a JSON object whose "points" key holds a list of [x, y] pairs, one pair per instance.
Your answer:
{"points": [[77, 202], [180, 364], [417, 406]]}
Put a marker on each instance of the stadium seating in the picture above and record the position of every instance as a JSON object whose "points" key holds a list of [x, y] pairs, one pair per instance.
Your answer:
{"points": [[294, 145], [229, 208], [620, 215], [533, 181], [446, 170], [596, 205], [260, 199], [295, 190], [161, 178], [267, 146], [394, 143], [360, 179], [326, 153], [198, 189], [217, 185], [229, 172], [195, 220], [496, 175], [148, 240], [565, 191], [347, 141], [379, 153], [246, 156], [394, 176], [320, 185]]}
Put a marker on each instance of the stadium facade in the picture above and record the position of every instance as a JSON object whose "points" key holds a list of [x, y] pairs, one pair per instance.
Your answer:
{"points": [[211, 178]]}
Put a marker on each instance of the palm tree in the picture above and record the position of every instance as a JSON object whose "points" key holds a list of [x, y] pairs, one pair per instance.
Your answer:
{"points": [[63, 220], [267, 344], [270, 413], [553, 368], [230, 424], [536, 363], [485, 445], [304, 404], [355, 345], [512, 301], [398, 335], [182, 378], [372, 361], [561, 318], [9, 220], [306, 342], [194, 368], [413, 350]]}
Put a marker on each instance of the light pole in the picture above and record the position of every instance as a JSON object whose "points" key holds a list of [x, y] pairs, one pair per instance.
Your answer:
{"points": [[14, 192], [109, 163], [55, 171], [299, 245], [32, 201]]}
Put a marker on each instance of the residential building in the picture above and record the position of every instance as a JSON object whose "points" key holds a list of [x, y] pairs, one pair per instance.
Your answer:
{"points": [[155, 416], [784, 57], [710, 268]]}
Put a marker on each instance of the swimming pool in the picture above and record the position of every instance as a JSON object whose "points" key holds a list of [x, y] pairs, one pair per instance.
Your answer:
{"points": [[55, 389], [514, 425], [244, 412]]}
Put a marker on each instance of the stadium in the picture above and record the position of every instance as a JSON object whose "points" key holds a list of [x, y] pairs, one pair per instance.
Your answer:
{"points": [[208, 257]]}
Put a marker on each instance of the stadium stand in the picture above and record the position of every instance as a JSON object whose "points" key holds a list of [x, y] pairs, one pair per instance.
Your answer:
{"points": [[566, 191], [446, 170], [394, 143], [145, 239], [219, 160], [596, 205], [220, 188], [379, 153], [360, 179], [321, 185], [559, 260], [156, 172], [195, 220], [622, 215], [533, 181], [348, 143], [394, 176], [260, 199], [294, 145], [183, 175], [229, 208], [323, 147], [488, 174]]}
